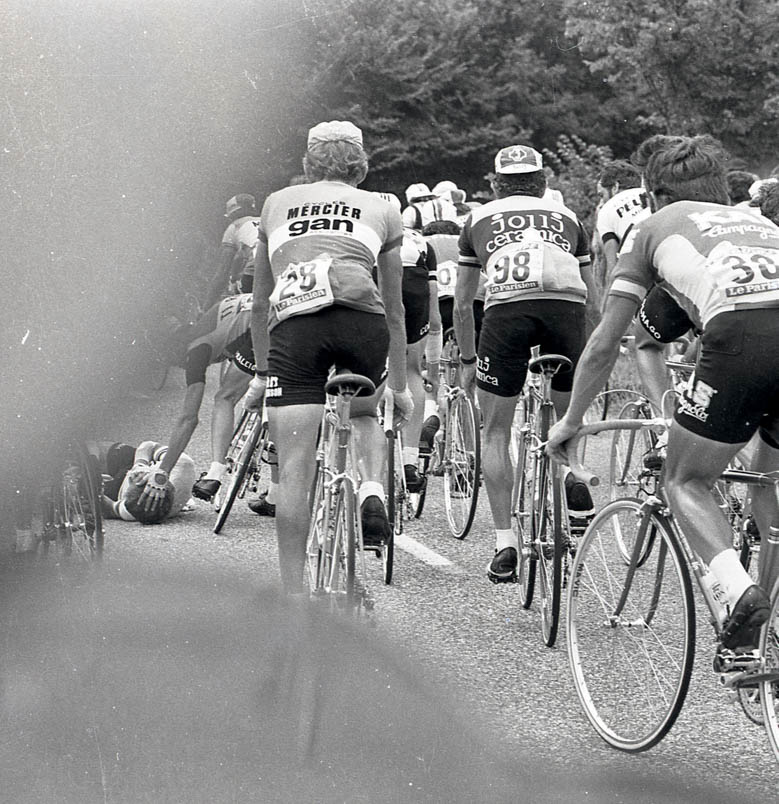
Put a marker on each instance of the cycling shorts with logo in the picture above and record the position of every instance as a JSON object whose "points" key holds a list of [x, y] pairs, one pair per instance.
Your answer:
{"points": [[510, 330], [735, 387], [662, 317], [304, 347], [416, 301]]}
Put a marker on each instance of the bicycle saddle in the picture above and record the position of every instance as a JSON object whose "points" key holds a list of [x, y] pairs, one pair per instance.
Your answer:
{"points": [[345, 382], [552, 363]]}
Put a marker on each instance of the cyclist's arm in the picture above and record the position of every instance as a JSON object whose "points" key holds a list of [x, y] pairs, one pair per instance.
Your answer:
{"points": [[185, 426], [599, 356], [222, 277], [464, 294], [262, 289], [390, 276], [591, 305]]}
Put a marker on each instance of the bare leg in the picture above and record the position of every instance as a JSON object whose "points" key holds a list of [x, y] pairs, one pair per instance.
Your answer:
{"points": [[498, 414], [232, 387]]}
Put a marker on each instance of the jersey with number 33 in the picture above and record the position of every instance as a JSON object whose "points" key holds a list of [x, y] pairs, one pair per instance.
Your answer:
{"points": [[710, 258]]}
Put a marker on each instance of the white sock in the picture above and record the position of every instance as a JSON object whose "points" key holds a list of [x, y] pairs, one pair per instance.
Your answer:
{"points": [[410, 455], [216, 471], [370, 488], [505, 538], [270, 494], [733, 578]]}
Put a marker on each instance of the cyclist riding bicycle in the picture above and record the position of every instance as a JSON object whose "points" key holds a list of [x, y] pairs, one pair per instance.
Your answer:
{"points": [[316, 305], [720, 264], [535, 254]]}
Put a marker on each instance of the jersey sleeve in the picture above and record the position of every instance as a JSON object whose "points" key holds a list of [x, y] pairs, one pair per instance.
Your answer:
{"points": [[633, 274], [582, 252], [394, 225], [467, 257], [432, 264]]}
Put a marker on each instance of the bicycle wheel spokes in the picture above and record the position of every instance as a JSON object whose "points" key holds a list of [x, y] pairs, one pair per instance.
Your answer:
{"points": [[769, 689], [631, 629], [461, 466], [548, 543], [628, 447], [522, 507]]}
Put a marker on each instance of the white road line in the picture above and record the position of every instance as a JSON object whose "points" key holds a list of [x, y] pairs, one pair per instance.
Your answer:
{"points": [[418, 550]]}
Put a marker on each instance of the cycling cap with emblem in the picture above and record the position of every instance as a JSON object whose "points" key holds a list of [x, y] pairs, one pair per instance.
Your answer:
{"points": [[418, 192], [335, 131], [518, 159], [240, 201]]}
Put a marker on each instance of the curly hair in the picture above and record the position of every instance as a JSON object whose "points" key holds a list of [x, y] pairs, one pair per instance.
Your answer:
{"points": [[622, 172], [506, 184], [440, 227], [690, 170], [336, 160], [739, 182], [768, 199], [132, 503], [640, 157]]}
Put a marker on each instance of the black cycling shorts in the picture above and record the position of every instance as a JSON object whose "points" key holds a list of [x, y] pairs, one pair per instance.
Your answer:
{"points": [[510, 330], [416, 301], [662, 317], [735, 387], [446, 307], [304, 347]]}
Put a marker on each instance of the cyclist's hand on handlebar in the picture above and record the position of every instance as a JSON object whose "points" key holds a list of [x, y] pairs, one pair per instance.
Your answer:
{"points": [[254, 396], [559, 436], [402, 404]]}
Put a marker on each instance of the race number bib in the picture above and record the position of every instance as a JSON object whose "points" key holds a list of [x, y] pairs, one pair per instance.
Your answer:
{"points": [[516, 269], [447, 278], [303, 288], [743, 271]]}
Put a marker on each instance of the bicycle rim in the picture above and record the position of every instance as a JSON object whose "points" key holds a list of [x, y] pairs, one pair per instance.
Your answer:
{"points": [[628, 447], [548, 541], [238, 471], [769, 690], [631, 665], [315, 543], [461, 466], [522, 508], [82, 520]]}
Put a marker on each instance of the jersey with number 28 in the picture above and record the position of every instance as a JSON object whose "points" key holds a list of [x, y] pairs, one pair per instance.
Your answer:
{"points": [[322, 241]]}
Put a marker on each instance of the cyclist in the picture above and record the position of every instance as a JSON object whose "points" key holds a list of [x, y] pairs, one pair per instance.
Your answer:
{"points": [[720, 264], [535, 254], [224, 331], [237, 248], [443, 237], [129, 469], [316, 305], [623, 202], [424, 206]]}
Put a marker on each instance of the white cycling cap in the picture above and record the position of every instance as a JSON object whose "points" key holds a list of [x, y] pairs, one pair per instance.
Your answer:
{"points": [[415, 192], [335, 131]]}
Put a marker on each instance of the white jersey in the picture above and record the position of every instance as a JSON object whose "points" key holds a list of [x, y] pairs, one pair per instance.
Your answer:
{"points": [[242, 231], [620, 212], [419, 214]]}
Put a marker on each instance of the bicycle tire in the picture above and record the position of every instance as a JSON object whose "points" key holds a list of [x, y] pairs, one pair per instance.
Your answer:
{"points": [[549, 541], [628, 448], [394, 510], [522, 509], [631, 655], [315, 541], [769, 690], [462, 465], [238, 471], [340, 550], [78, 514], [417, 499]]}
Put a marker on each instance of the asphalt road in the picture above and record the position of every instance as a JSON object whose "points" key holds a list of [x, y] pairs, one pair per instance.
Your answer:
{"points": [[176, 673]]}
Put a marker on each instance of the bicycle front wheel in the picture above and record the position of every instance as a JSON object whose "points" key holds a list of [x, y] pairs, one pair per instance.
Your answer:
{"points": [[461, 465], [247, 461], [630, 626], [769, 689], [628, 447], [79, 504]]}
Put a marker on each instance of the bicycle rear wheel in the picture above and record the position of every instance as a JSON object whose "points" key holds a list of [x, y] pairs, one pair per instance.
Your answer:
{"points": [[630, 626], [394, 504], [462, 465], [340, 550], [242, 466], [548, 541], [80, 516], [628, 447], [417, 499], [769, 689]]}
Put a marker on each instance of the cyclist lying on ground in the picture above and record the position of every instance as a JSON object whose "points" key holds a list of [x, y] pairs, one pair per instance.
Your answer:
{"points": [[129, 468], [720, 265]]}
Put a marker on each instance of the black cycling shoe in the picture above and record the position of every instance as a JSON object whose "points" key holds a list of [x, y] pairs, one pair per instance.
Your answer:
{"points": [[750, 612], [429, 429], [262, 507], [375, 525], [414, 481], [503, 567], [205, 488], [579, 499]]}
